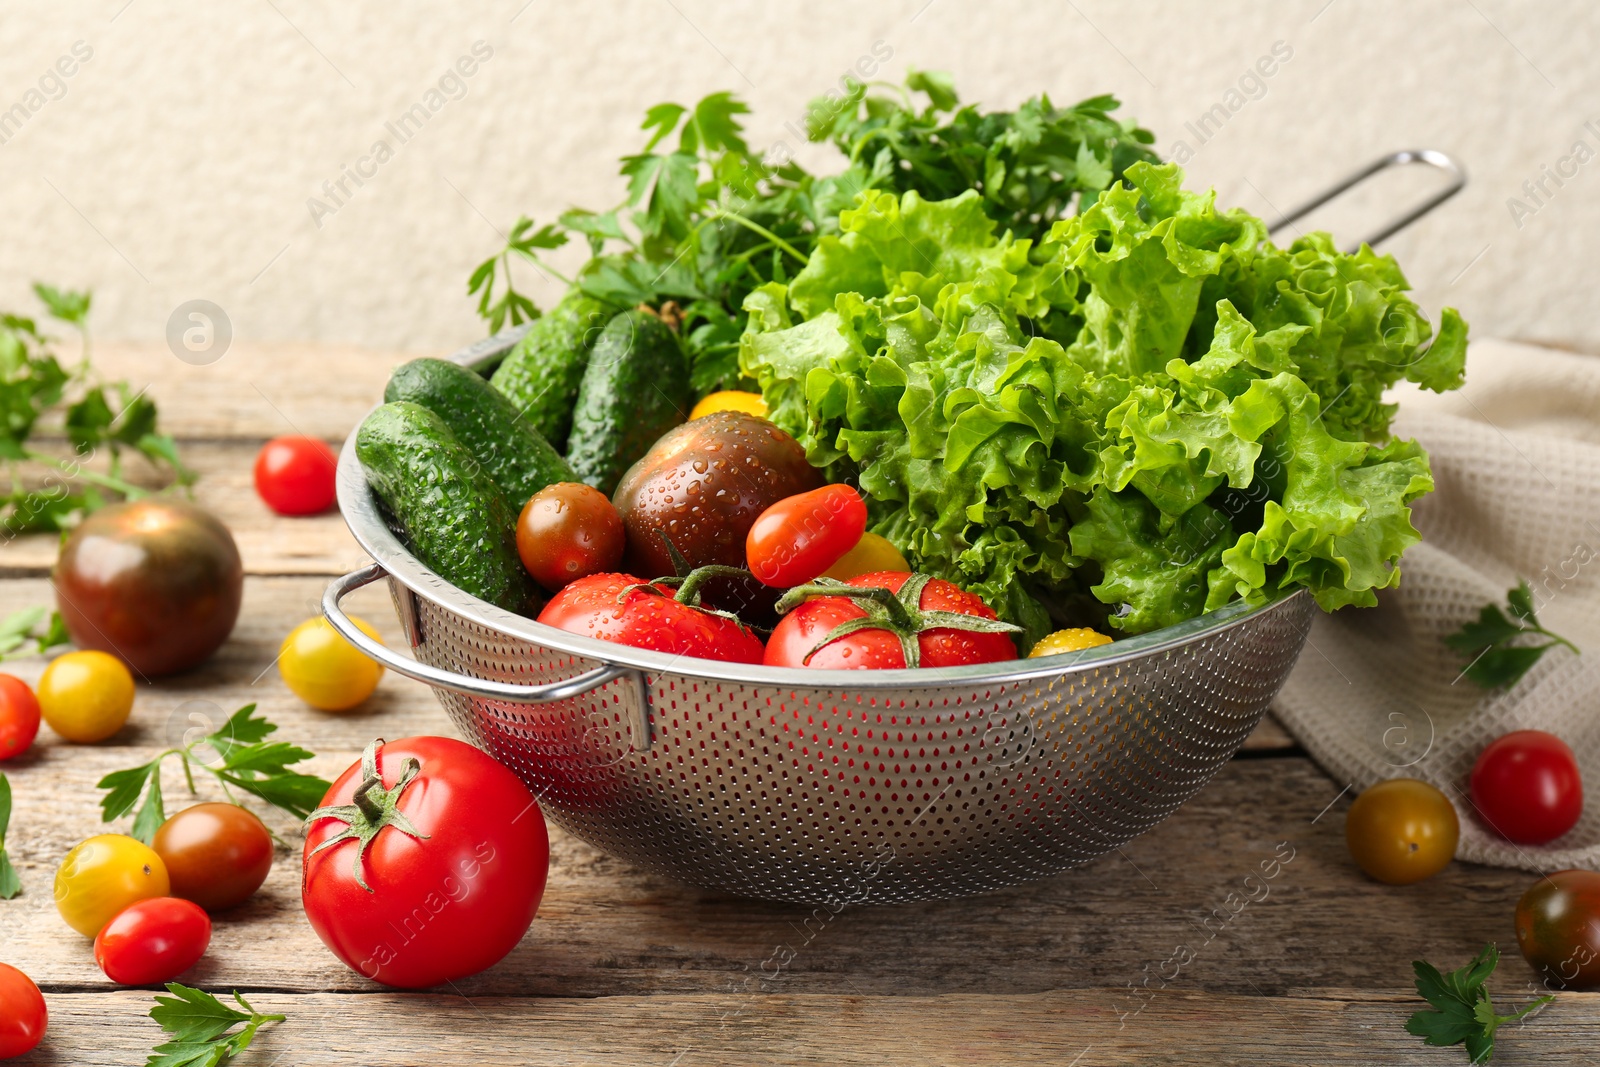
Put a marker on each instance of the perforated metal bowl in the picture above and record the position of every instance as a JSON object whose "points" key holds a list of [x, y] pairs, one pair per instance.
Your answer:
{"points": [[821, 786]]}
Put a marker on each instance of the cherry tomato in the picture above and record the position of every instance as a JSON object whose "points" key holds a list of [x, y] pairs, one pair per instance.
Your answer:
{"points": [[295, 475], [103, 875], [730, 400], [871, 553], [801, 536], [441, 894], [1527, 787], [23, 1016], [1558, 929], [603, 606], [568, 531], [86, 696], [1402, 831], [152, 941], [216, 855], [19, 716], [158, 583], [1071, 640], [802, 638], [324, 669]]}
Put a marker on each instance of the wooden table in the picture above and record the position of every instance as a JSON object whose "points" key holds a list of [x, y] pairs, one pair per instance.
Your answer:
{"points": [[624, 967]]}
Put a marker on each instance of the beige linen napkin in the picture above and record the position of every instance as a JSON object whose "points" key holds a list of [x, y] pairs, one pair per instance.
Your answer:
{"points": [[1376, 694]]}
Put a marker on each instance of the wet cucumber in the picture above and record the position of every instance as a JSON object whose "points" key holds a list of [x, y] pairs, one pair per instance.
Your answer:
{"points": [[448, 509], [542, 373], [635, 388], [520, 461]]}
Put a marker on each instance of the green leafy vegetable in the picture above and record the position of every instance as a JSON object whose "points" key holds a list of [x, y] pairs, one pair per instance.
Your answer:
{"points": [[199, 1024], [243, 758], [1491, 642], [94, 415], [10, 884], [706, 220], [1462, 1011], [1154, 409], [1031, 166], [31, 630]]}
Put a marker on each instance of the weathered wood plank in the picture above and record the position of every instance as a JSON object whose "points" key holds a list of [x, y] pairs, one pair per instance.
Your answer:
{"points": [[268, 543], [243, 672], [1179, 893], [256, 391], [1078, 1027]]}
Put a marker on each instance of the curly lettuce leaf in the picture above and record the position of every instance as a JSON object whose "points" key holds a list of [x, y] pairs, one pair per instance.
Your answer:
{"points": [[1155, 406]]}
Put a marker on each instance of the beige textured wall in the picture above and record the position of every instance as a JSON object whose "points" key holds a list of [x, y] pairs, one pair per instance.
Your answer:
{"points": [[176, 162]]}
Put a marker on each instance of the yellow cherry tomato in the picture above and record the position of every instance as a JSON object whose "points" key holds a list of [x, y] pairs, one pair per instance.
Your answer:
{"points": [[730, 400], [872, 553], [1402, 831], [324, 669], [1079, 637], [85, 696], [103, 875]]}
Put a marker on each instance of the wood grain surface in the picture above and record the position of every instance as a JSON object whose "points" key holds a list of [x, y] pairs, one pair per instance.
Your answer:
{"points": [[1159, 953]]}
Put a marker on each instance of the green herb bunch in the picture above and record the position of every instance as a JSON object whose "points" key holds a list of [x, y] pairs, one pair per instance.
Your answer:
{"points": [[706, 220], [38, 393]]}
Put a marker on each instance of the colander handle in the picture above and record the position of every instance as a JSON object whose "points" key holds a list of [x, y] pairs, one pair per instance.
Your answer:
{"points": [[339, 588]]}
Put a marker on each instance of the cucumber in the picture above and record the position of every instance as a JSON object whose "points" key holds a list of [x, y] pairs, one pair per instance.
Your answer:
{"points": [[520, 461], [542, 373], [446, 506], [635, 388]]}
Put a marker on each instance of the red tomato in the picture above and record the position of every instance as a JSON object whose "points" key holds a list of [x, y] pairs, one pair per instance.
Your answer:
{"points": [[152, 941], [567, 531], [19, 716], [295, 475], [601, 606], [1527, 788], [22, 1012], [1558, 929], [802, 639], [217, 855], [426, 862], [803, 535]]}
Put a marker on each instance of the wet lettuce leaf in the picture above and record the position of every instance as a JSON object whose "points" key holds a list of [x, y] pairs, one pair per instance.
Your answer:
{"points": [[1154, 405]]}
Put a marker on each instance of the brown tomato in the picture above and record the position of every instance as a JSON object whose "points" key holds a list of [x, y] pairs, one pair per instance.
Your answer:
{"points": [[154, 582]]}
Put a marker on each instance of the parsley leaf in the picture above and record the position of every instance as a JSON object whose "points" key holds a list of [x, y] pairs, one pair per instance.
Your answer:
{"points": [[200, 1025], [1487, 641], [1462, 1012], [248, 761], [37, 627], [10, 884]]}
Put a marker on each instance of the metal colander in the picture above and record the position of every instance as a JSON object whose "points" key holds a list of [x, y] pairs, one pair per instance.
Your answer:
{"points": [[831, 787]]}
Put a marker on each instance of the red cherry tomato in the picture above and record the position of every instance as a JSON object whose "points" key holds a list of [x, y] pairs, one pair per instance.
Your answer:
{"points": [[1527, 787], [19, 716], [803, 535], [794, 642], [295, 475], [602, 606], [443, 892], [153, 941], [567, 531], [22, 1012]]}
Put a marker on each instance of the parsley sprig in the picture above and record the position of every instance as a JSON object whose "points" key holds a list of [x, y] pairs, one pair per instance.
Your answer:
{"points": [[94, 415], [10, 884], [30, 630], [1493, 642], [1462, 1011], [199, 1024], [245, 759]]}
